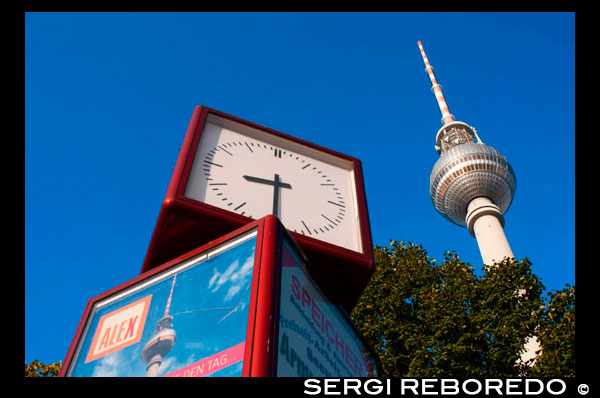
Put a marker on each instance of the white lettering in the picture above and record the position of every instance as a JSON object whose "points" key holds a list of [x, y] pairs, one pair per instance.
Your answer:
{"points": [[312, 383], [428, 386], [425, 384], [355, 387], [377, 389], [497, 387], [331, 383], [413, 388], [539, 383], [471, 392], [564, 387], [446, 388], [510, 384]]}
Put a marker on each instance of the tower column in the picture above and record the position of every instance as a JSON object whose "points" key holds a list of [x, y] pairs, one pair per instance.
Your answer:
{"points": [[153, 366], [486, 223]]}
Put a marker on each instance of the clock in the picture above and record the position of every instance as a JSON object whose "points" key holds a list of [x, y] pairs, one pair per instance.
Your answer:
{"points": [[243, 170], [231, 172]]}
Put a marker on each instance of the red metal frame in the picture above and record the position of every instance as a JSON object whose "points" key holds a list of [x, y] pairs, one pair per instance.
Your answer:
{"points": [[184, 223], [260, 365]]}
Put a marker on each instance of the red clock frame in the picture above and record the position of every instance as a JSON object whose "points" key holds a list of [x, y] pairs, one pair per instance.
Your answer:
{"points": [[260, 357], [184, 223]]}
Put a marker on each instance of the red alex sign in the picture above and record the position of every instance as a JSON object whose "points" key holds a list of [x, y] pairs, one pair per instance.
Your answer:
{"points": [[119, 329]]}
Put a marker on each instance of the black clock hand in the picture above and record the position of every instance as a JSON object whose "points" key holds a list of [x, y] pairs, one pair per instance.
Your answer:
{"points": [[276, 185], [268, 182]]}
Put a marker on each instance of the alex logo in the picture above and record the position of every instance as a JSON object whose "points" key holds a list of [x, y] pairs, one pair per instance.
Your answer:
{"points": [[119, 329]]}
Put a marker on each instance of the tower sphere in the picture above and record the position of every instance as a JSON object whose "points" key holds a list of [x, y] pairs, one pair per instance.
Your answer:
{"points": [[161, 342], [467, 170]]}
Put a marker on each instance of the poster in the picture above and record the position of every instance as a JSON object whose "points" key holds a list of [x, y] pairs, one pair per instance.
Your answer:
{"points": [[189, 321], [315, 338]]}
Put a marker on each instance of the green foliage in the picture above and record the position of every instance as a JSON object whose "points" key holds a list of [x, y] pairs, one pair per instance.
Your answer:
{"points": [[556, 334], [38, 369], [431, 320]]}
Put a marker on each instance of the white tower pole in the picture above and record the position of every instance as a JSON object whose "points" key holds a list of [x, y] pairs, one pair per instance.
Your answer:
{"points": [[486, 223]]}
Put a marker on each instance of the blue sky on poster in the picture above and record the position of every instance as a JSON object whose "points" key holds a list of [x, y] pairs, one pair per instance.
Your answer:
{"points": [[108, 97]]}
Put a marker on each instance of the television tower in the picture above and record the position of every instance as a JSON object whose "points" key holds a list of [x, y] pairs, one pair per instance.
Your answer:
{"points": [[471, 184], [161, 343]]}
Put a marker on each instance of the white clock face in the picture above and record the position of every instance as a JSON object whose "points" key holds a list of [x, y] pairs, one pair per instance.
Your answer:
{"points": [[252, 173]]}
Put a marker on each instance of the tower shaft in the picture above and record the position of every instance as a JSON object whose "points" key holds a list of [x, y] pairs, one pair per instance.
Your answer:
{"points": [[486, 224], [154, 366]]}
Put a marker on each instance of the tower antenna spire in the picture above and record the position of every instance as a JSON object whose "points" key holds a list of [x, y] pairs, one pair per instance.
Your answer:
{"points": [[170, 296], [447, 117]]}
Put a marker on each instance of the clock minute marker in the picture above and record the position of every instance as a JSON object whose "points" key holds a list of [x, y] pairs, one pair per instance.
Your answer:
{"points": [[325, 217], [225, 150], [214, 164], [306, 226], [337, 204]]}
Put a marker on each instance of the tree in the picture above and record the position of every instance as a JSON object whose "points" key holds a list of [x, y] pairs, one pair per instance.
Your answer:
{"points": [[556, 334], [38, 369], [430, 320]]}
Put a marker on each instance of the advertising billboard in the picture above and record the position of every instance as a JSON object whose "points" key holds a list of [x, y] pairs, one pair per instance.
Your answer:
{"points": [[244, 305], [188, 321], [316, 337]]}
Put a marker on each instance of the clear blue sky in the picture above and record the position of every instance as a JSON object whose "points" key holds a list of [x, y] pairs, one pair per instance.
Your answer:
{"points": [[108, 97]]}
